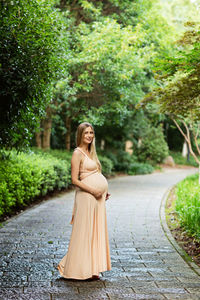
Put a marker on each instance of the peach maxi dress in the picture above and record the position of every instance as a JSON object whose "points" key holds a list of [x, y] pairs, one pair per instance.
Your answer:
{"points": [[88, 252]]}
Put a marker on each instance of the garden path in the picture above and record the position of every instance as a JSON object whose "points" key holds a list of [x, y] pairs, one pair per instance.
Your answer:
{"points": [[144, 263]]}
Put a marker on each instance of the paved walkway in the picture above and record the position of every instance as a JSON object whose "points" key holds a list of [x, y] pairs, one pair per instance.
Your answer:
{"points": [[144, 264]]}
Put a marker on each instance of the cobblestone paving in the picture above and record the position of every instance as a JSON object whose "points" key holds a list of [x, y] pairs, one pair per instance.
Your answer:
{"points": [[144, 264]]}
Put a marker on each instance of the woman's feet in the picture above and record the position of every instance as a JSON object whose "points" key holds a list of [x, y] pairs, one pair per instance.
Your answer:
{"points": [[95, 277]]}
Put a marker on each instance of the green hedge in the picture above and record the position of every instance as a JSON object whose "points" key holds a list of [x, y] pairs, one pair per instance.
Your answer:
{"points": [[106, 163], [124, 162], [24, 176], [188, 204], [153, 146], [140, 168]]}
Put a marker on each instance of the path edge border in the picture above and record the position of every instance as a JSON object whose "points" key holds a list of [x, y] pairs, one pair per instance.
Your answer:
{"points": [[169, 236]]}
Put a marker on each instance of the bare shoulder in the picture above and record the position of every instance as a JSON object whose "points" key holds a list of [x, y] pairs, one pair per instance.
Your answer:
{"points": [[77, 155]]}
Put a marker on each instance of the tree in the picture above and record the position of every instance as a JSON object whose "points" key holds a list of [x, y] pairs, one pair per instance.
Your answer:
{"points": [[179, 97], [33, 52], [111, 49]]}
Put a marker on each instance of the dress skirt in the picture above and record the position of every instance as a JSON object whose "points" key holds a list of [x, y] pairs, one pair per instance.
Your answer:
{"points": [[88, 252]]}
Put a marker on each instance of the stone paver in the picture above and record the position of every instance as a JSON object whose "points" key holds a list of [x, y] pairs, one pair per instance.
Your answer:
{"points": [[144, 263]]}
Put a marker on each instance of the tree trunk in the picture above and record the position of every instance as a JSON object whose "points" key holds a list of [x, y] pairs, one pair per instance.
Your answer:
{"points": [[62, 3], [38, 139], [184, 149], [68, 133], [47, 124], [187, 137], [188, 153]]}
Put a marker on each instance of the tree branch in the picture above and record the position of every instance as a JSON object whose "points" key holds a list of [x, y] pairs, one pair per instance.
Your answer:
{"points": [[181, 131], [188, 139], [196, 134]]}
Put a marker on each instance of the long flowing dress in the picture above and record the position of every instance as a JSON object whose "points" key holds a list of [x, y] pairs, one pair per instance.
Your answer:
{"points": [[88, 252]]}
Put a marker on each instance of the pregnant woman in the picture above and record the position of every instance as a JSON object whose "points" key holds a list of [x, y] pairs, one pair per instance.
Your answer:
{"points": [[88, 253]]}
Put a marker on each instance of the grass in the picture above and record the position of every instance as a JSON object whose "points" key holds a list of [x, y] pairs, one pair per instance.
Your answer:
{"points": [[170, 212], [187, 241], [188, 204]]}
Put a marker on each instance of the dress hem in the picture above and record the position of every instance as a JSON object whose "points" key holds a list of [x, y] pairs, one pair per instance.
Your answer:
{"points": [[78, 278]]}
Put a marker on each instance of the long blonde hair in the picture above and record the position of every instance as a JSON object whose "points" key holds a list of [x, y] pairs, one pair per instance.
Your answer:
{"points": [[92, 148]]}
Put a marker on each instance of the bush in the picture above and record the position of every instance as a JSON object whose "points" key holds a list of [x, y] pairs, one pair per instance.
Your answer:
{"points": [[25, 176], [180, 160], [121, 160], [125, 162], [188, 204], [154, 147], [112, 156], [60, 154], [140, 168], [106, 164]]}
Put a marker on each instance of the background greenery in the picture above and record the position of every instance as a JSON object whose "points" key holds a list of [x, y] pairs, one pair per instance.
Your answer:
{"points": [[63, 62], [188, 205]]}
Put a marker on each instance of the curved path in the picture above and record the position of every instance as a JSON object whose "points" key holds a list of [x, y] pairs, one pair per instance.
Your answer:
{"points": [[144, 263]]}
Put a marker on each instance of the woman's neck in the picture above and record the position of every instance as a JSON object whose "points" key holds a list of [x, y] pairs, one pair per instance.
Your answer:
{"points": [[84, 147]]}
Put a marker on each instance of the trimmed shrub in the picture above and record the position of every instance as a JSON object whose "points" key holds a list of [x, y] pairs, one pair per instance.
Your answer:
{"points": [[112, 156], [123, 160], [137, 168], [60, 154], [127, 163], [25, 176], [153, 147], [106, 164], [188, 204]]}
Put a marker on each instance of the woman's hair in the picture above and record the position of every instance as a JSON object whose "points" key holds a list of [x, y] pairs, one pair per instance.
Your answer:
{"points": [[92, 148]]}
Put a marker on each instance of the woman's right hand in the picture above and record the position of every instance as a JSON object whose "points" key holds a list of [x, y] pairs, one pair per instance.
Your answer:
{"points": [[96, 193]]}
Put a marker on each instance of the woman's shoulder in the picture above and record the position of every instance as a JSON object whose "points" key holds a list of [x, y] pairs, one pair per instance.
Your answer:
{"points": [[76, 153]]}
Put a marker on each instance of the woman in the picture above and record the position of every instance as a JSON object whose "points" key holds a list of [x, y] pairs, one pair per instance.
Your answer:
{"points": [[88, 253]]}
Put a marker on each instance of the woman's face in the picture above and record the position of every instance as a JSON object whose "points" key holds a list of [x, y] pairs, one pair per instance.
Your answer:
{"points": [[88, 135]]}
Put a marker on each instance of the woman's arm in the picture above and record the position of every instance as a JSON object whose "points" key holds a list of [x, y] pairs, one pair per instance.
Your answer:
{"points": [[75, 167]]}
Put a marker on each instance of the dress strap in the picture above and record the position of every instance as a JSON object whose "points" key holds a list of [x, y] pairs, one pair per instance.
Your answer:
{"points": [[81, 151]]}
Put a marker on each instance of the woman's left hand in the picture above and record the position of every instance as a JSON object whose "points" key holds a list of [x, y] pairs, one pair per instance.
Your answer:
{"points": [[107, 196]]}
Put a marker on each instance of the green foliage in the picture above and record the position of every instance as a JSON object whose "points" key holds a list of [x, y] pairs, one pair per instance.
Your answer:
{"points": [[124, 162], [59, 154], [153, 146], [188, 204], [106, 164], [33, 54], [138, 168], [178, 72], [110, 65], [180, 160], [121, 160], [24, 176], [104, 67]]}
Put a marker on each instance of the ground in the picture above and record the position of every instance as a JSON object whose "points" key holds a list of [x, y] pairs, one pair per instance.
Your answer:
{"points": [[145, 264]]}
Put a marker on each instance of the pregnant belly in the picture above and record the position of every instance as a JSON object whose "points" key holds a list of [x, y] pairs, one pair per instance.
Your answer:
{"points": [[98, 181]]}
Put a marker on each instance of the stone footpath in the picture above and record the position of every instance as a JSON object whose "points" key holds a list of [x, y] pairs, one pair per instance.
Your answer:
{"points": [[144, 263]]}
